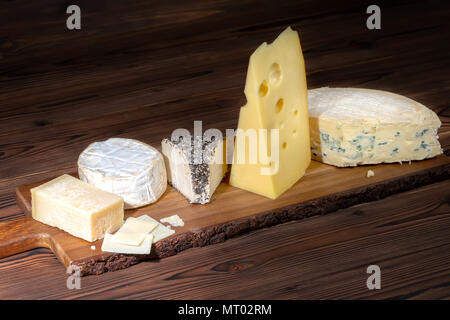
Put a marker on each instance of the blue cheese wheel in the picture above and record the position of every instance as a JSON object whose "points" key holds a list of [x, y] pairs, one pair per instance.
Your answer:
{"points": [[352, 127]]}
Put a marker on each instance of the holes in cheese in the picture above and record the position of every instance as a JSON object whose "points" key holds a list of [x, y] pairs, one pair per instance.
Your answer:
{"points": [[263, 89], [279, 105], [275, 81], [275, 74]]}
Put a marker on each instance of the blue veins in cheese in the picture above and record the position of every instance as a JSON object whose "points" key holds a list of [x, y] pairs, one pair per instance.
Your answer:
{"points": [[350, 126]]}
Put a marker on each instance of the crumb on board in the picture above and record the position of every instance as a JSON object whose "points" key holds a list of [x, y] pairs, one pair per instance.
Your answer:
{"points": [[370, 173]]}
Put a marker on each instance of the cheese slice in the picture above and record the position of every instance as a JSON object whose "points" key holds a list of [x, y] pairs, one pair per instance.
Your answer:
{"points": [[276, 99], [133, 231], [77, 207], [196, 181], [128, 238], [351, 126], [138, 226], [144, 248], [174, 221], [160, 232], [129, 168]]}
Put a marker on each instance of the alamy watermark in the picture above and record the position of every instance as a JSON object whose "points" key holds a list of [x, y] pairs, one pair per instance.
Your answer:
{"points": [[374, 20], [241, 146], [374, 281], [74, 279], [73, 22]]}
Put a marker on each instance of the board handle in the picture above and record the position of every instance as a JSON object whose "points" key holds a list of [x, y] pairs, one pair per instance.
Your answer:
{"points": [[22, 235]]}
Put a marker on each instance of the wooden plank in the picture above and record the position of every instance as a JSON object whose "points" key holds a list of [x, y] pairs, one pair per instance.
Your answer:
{"points": [[232, 211], [316, 258], [62, 90], [162, 67]]}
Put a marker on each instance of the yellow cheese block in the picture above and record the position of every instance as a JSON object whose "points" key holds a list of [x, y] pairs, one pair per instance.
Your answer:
{"points": [[77, 207], [276, 99]]}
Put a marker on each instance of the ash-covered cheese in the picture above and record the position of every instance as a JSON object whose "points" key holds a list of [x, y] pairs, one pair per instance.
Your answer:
{"points": [[194, 171], [352, 126], [126, 167]]}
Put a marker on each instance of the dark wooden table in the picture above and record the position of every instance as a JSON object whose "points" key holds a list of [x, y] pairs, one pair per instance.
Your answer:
{"points": [[140, 69]]}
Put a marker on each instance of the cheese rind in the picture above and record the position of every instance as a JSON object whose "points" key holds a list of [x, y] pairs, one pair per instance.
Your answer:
{"points": [[129, 168], [77, 207], [276, 99], [351, 126]]}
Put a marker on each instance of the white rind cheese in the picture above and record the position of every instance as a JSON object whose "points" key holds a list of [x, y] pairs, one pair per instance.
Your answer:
{"points": [[196, 181], [129, 168], [352, 127], [77, 207]]}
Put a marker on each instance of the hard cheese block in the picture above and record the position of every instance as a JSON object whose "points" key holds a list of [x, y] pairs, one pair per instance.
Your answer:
{"points": [[196, 180], [77, 207], [352, 126], [276, 99], [129, 168]]}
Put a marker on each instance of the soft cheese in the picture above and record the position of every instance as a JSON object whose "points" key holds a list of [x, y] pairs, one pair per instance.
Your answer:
{"points": [[196, 181], [352, 126], [129, 168], [276, 99], [77, 207]]}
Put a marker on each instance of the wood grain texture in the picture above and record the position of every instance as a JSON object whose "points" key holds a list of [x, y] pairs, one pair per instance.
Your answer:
{"points": [[231, 212], [146, 70], [317, 258]]}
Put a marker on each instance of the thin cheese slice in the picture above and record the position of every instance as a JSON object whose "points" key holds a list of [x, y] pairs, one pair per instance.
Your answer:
{"points": [[174, 221], [133, 231], [139, 226], [143, 248], [128, 238], [160, 232]]}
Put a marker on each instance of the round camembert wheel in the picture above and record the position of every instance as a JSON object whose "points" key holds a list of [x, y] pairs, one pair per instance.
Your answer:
{"points": [[129, 168]]}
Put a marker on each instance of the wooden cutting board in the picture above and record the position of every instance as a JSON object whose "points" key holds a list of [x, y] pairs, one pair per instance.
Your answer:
{"points": [[231, 212]]}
